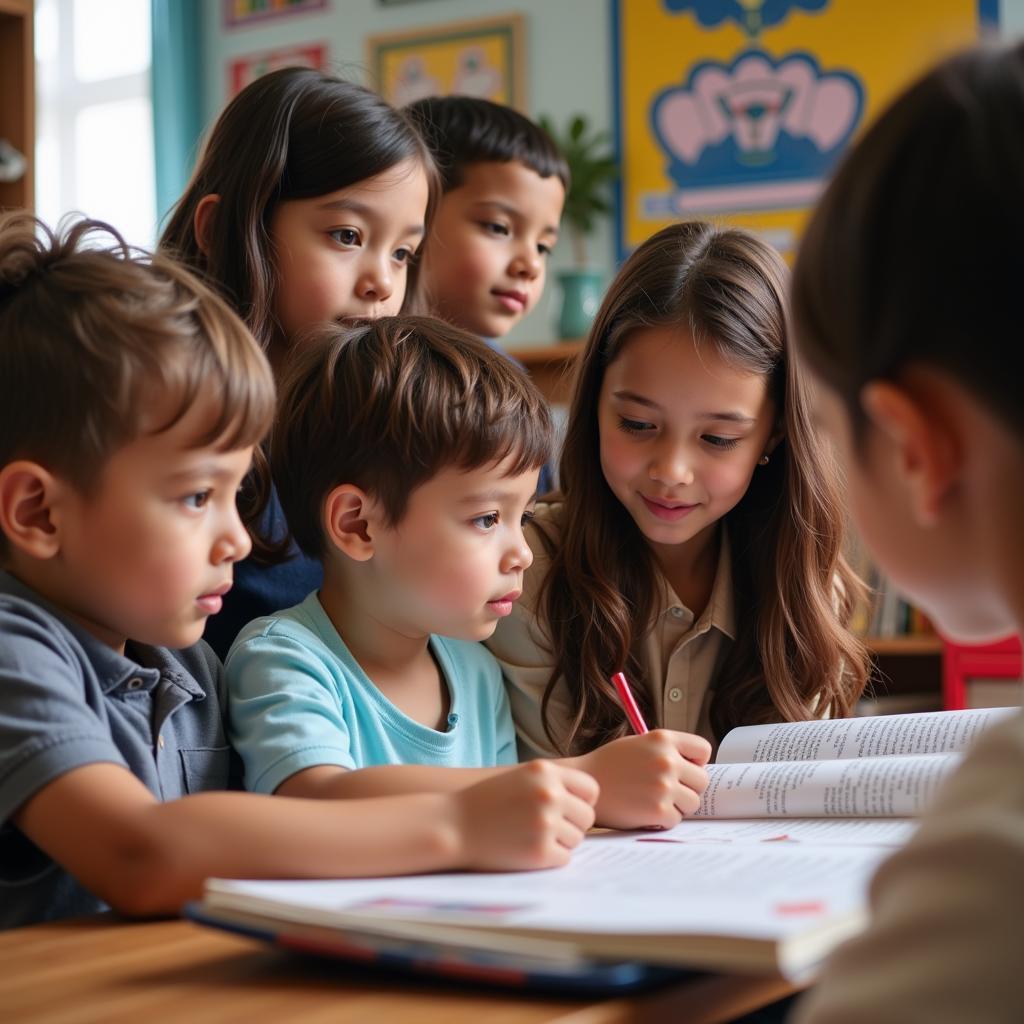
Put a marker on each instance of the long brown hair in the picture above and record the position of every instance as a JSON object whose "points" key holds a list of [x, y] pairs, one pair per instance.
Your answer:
{"points": [[793, 657]]}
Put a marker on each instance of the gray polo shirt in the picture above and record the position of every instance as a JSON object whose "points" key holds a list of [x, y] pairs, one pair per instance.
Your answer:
{"points": [[68, 700]]}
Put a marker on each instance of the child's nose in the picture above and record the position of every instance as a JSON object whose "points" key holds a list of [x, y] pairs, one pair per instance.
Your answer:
{"points": [[233, 544], [519, 555], [671, 465], [376, 283], [526, 263]]}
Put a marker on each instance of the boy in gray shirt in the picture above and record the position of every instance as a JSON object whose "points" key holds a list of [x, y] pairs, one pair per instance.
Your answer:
{"points": [[131, 402]]}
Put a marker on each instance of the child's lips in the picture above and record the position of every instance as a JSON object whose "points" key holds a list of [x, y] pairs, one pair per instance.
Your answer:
{"points": [[670, 511], [212, 601], [503, 605], [514, 301]]}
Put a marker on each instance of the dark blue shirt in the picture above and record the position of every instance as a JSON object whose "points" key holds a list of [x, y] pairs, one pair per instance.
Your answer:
{"points": [[261, 590]]}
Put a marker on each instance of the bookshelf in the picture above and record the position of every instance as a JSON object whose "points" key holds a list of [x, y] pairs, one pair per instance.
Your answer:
{"points": [[17, 97]]}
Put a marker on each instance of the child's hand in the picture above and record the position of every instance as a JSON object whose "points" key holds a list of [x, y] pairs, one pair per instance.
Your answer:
{"points": [[532, 816], [649, 780]]}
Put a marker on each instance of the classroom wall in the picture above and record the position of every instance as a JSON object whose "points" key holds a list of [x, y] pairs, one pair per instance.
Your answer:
{"points": [[568, 57], [553, 86]]}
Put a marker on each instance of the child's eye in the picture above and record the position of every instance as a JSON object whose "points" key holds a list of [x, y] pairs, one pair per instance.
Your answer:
{"points": [[721, 442], [528, 516], [403, 255], [544, 250], [494, 228], [345, 236], [487, 521], [635, 426], [197, 500]]}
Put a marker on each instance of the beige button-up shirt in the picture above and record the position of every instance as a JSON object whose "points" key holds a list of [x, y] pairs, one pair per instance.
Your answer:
{"points": [[681, 656]]}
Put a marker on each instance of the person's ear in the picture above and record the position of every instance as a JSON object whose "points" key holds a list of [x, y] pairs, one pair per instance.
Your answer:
{"points": [[202, 221], [27, 497], [923, 442], [350, 521]]}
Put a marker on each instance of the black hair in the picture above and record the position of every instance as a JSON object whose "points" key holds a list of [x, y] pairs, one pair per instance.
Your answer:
{"points": [[461, 130]]}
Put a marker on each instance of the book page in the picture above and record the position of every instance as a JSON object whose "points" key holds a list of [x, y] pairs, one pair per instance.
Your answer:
{"points": [[866, 787], [613, 885], [834, 738], [890, 832]]}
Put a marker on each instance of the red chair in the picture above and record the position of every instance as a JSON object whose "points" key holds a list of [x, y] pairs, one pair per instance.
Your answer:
{"points": [[960, 665]]}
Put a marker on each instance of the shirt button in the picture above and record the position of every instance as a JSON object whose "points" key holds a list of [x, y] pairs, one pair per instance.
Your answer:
{"points": [[134, 684], [675, 695], [676, 611], [160, 742]]}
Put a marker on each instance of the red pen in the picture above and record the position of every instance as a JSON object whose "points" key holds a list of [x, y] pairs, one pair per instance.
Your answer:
{"points": [[626, 696]]}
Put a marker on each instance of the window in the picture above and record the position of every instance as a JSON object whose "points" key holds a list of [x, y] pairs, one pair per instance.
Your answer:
{"points": [[94, 135]]}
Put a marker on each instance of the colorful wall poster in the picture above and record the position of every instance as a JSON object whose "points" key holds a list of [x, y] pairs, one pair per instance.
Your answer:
{"points": [[737, 110], [243, 70], [470, 58], [245, 12]]}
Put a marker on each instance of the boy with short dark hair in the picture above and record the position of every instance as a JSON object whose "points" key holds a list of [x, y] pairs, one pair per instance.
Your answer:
{"points": [[405, 455], [131, 400], [504, 181]]}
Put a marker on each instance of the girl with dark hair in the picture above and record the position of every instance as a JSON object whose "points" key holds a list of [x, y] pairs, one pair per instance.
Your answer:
{"points": [[308, 204], [697, 544], [906, 301]]}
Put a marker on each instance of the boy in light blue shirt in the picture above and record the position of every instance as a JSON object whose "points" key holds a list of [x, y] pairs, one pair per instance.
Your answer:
{"points": [[406, 456]]}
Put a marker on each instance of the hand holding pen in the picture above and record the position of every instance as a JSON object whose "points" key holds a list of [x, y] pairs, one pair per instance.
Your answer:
{"points": [[651, 779]]}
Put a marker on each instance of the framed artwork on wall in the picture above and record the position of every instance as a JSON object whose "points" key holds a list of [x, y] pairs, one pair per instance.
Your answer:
{"points": [[482, 58], [244, 12], [738, 112], [246, 69]]}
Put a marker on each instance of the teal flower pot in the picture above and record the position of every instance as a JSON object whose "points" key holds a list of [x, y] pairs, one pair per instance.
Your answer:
{"points": [[582, 291]]}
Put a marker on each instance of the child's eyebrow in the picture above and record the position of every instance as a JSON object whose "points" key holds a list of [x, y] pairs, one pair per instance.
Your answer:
{"points": [[204, 470], [731, 416], [483, 497], [365, 210], [512, 211]]}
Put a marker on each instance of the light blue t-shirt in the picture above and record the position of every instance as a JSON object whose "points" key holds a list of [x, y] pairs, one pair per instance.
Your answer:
{"points": [[297, 698]]}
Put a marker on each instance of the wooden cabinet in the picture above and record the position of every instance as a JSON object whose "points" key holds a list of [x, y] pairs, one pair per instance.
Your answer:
{"points": [[550, 367], [17, 97]]}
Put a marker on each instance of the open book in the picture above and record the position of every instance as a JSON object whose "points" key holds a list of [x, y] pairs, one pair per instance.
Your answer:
{"points": [[888, 766], [754, 894]]}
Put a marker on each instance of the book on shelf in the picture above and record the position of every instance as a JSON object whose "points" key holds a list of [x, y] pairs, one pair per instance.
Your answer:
{"points": [[883, 613], [768, 876]]}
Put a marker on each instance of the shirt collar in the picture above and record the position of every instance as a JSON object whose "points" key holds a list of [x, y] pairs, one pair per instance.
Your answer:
{"points": [[112, 669], [720, 612]]}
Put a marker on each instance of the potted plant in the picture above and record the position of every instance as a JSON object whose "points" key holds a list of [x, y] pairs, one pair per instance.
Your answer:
{"points": [[592, 167]]}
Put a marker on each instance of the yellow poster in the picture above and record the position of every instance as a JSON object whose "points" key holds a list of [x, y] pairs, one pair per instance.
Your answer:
{"points": [[737, 110], [474, 58]]}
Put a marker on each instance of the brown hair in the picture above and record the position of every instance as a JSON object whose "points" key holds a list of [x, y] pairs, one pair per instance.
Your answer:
{"points": [[914, 253], [389, 404], [292, 134], [90, 337], [794, 656]]}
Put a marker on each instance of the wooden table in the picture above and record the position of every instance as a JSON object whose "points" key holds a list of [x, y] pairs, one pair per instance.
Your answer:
{"points": [[101, 969]]}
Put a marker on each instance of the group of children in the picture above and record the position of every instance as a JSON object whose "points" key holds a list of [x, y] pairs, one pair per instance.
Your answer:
{"points": [[270, 382]]}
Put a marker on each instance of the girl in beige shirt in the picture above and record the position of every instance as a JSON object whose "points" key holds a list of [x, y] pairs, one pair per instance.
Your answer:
{"points": [[697, 543]]}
